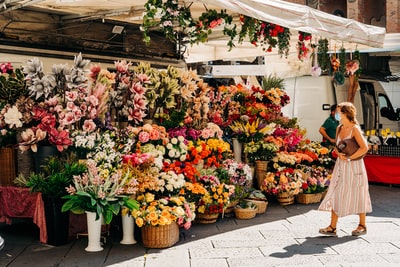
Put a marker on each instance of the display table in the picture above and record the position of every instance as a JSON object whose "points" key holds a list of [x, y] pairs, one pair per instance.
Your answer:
{"points": [[382, 169], [17, 202]]}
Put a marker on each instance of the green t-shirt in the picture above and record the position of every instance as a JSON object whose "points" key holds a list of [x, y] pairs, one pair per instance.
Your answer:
{"points": [[330, 125]]}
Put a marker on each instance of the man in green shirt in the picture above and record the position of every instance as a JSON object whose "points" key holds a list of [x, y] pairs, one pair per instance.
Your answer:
{"points": [[328, 129]]}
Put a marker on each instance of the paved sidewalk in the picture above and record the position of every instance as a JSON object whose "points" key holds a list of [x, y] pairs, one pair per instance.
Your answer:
{"points": [[283, 236]]}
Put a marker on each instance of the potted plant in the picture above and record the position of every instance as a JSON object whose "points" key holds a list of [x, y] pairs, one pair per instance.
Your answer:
{"points": [[315, 181], [56, 175], [245, 210], [214, 201], [160, 219], [283, 184], [97, 192]]}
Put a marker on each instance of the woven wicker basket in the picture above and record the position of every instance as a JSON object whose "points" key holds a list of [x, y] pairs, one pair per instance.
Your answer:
{"points": [[308, 198], [206, 218], [162, 236], [8, 166], [245, 214], [261, 205], [285, 199]]}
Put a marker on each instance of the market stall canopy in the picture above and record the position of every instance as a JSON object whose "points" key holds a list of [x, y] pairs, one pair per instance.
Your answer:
{"points": [[100, 25]]}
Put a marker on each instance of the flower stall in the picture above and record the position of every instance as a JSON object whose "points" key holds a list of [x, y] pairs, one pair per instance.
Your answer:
{"points": [[177, 168]]}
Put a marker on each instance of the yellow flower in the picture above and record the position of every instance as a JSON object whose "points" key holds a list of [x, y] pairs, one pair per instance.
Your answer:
{"points": [[283, 179], [153, 216], [163, 220], [201, 209], [149, 197], [154, 222], [139, 222], [124, 211]]}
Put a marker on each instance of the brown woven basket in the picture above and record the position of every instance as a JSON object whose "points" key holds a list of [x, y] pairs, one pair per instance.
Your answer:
{"points": [[245, 214], [285, 199], [308, 198], [8, 166], [162, 236], [206, 218], [261, 205]]}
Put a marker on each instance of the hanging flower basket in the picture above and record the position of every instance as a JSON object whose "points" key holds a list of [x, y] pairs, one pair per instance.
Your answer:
{"points": [[161, 236]]}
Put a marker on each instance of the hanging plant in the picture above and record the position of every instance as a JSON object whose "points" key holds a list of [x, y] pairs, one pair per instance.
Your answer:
{"points": [[342, 59], [167, 16], [283, 42], [209, 21], [302, 48], [323, 56], [264, 34]]}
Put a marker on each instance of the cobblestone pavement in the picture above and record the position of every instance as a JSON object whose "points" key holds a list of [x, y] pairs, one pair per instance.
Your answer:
{"points": [[283, 236]]}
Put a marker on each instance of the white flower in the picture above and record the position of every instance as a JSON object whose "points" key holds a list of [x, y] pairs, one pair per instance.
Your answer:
{"points": [[169, 146], [182, 158], [13, 117], [181, 138], [174, 141]]}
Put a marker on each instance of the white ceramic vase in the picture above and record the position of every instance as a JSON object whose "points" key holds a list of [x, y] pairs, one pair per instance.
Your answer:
{"points": [[128, 230], [94, 232]]}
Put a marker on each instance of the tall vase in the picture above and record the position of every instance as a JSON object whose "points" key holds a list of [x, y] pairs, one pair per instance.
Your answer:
{"points": [[57, 222], [237, 149], [261, 170], [94, 232], [8, 166], [128, 229], [25, 163]]}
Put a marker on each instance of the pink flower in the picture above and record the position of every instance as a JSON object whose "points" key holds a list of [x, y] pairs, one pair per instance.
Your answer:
{"points": [[143, 78], [60, 139], [144, 137], [53, 101], [94, 71], [187, 225], [140, 102], [122, 66], [69, 118], [138, 88], [70, 105], [136, 114], [31, 137], [89, 126], [71, 95], [93, 100]]}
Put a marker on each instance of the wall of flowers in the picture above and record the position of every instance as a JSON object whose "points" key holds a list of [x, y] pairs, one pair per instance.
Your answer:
{"points": [[156, 144]]}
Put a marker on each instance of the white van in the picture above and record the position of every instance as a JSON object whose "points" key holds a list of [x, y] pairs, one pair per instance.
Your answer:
{"points": [[311, 98]]}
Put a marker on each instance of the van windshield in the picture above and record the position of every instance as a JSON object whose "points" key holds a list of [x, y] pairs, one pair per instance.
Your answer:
{"points": [[386, 108]]}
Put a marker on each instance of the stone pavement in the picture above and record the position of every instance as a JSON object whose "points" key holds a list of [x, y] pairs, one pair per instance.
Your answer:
{"points": [[283, 236]]}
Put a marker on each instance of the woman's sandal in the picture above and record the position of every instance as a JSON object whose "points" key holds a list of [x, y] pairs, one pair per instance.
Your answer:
{"points": [[330, 231], [361, 230]]}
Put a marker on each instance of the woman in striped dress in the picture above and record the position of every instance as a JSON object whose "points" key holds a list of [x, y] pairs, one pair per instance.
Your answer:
{"points": [[348, 190]]}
